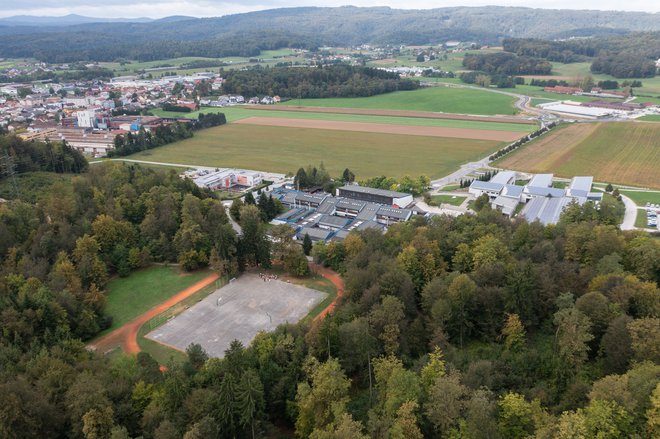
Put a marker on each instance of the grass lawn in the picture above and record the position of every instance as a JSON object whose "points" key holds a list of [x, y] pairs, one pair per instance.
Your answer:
{"points": [[641, 198], [242, 112], [438, 99], [451, 188], [650, 118], [284, 149], [128, 297], [454, 200], [623, 153]]}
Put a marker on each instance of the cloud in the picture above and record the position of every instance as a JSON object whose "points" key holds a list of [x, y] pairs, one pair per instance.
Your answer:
{"points": [[213, 8]]}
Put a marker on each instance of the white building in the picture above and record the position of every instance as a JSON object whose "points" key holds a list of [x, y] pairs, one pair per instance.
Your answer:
{"points": [[86, 119], [223, 179]]}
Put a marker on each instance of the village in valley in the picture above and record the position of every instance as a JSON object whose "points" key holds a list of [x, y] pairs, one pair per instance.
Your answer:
{"points": [[329, 222]]}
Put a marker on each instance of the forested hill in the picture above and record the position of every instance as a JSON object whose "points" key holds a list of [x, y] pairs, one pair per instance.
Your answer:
{"points": [[242, 34]]}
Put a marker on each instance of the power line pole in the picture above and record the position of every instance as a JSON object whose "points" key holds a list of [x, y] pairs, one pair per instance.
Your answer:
{"points": [[8, 169]]}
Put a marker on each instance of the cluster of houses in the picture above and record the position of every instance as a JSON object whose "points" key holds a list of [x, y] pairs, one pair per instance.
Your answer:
{"points": [[537, 197], [84, 112], [326, 217]]}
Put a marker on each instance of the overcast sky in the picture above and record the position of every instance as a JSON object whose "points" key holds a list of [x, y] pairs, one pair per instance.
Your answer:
{"points": [[214, 8]]}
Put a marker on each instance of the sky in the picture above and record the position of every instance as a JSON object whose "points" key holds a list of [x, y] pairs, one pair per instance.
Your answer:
{"points": [[215, 8]]}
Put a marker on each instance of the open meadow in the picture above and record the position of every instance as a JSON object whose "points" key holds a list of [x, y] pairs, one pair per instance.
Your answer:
{"points": [[128, 297], [285, 149], [624, 153], [443, 99]]}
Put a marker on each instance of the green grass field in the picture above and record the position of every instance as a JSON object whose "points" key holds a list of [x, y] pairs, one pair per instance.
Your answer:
{"points": [[131, 296], [649, 85], [283, 149], [622, 152], [650, 118], [242, 112], [641, 198], [454, 200], [438, 99]]}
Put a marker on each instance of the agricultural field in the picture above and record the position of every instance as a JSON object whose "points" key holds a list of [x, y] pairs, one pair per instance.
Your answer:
{"points": [[285, 149], [128, 297], [237, 113], [268, 57], [624, 153], [437, 99], [650, 118], [574, 70]]}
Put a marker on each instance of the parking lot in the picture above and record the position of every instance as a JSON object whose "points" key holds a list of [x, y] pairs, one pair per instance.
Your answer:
{"points": [[652, 215], [237, 311]]}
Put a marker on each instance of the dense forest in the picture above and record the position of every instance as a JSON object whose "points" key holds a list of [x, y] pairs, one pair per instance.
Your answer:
{"points": [[30, 156], [625, 56], [319, 82], [474, 327], [504, 63], [130, 143], [308, 27], [65, 47]]}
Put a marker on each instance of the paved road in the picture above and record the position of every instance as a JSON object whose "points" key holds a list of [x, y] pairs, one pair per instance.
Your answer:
{"points": [[630, 215], [177, 165]]}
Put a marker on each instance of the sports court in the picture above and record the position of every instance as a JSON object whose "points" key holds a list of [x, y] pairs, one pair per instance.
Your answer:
{"points": [[237, 311]]}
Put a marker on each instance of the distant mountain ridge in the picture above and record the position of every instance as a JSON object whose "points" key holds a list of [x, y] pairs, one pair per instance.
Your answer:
{"points": [[308, 27], [66, 20]]}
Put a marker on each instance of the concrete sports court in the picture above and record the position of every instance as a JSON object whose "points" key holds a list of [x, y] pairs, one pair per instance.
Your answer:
{"points": [[237, 311]]}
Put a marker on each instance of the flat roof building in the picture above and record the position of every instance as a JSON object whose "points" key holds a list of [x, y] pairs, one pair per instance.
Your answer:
{"points": [[381, 196]]}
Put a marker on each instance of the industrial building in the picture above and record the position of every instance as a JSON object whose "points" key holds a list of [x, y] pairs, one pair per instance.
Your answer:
{"points": [[540, 200]]}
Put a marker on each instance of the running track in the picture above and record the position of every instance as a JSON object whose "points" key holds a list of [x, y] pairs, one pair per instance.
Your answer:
{"points": [[126, 335]]}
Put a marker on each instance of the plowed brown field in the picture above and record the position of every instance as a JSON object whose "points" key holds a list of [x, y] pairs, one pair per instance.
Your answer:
{"points": [[409, 130]]}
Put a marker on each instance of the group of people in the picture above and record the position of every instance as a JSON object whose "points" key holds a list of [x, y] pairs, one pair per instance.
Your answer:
{"points": [[267, 277]]}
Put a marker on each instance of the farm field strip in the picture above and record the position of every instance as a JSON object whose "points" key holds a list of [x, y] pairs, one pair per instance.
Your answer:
{"points": [[624, 153], [433, 131], [508, 123], [285, 149], [437, 99], [402, 117]]}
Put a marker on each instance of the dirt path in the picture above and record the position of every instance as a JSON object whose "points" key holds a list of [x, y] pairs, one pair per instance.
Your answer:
{"points": [[336, 279], [126, 335], [409, 130]]}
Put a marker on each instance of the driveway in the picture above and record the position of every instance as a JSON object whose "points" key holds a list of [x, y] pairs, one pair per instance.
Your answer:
{"points": [[630, 215]]}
